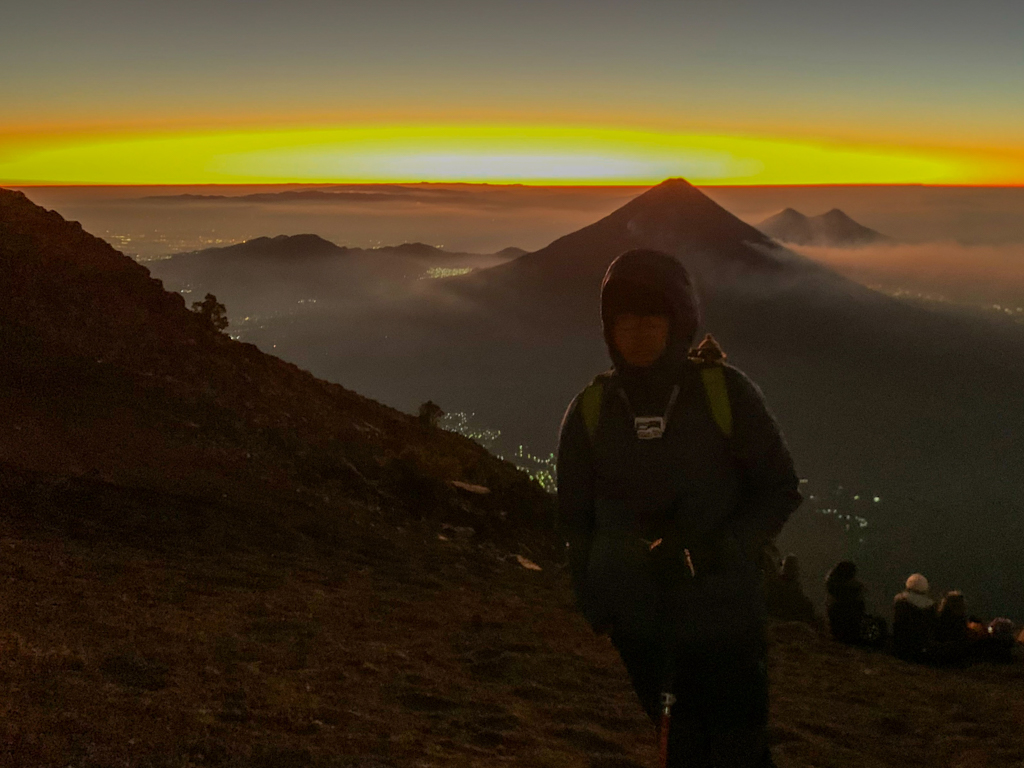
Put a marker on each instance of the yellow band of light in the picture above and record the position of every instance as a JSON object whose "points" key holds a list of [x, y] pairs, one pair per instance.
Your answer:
{"points": [[486, 153]]}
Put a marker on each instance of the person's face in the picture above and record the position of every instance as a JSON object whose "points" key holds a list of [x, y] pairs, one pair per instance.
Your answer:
{"points": [[640, 339]]}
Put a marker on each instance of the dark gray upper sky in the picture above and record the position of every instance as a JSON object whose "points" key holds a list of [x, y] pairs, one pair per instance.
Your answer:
{"points": [[952, 69]]}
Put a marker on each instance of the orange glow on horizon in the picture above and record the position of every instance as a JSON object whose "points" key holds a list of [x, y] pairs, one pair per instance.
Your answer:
{"points": [[496, 154]]}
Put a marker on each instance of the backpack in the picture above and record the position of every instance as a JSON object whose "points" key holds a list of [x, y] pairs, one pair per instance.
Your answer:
{"points": [[710, 358]]}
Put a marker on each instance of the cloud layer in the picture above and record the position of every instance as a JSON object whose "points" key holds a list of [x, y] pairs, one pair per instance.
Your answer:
{"points": [[976, 275]]}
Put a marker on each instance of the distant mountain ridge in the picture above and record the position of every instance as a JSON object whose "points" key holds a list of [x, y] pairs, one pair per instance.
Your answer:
{"points": [[834, 228], [512, 252], [278, 247], [366, 193], [275, 274], [918, 408], [310, 245]]}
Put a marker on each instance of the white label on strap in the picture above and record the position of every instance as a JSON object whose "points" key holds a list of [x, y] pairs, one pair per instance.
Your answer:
{"points": [[649, 427]]}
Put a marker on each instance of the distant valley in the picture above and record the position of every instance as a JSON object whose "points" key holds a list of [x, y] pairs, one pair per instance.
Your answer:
{"points": [[878, 398], [916, 407]]}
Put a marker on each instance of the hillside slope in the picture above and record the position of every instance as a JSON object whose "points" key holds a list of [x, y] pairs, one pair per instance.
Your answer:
{"points": [[109, 377]]}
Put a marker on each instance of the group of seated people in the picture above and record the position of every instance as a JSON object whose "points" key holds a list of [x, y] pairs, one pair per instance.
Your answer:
{"points": [[923, 630], [943, 632]]}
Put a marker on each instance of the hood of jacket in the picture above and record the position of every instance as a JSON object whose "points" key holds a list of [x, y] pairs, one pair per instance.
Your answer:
{"points": [[916, 599], [657, 273]]}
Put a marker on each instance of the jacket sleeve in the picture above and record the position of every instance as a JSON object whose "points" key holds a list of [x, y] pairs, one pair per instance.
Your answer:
{"points": [[575, 471], [770, 491]]}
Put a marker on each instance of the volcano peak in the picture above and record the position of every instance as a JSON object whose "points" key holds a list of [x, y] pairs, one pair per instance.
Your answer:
{"points": [[674, 217], [834, 228]]}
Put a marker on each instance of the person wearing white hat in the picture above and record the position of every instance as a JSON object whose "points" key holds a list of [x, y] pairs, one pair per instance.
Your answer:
{"points": [[914, 619]]}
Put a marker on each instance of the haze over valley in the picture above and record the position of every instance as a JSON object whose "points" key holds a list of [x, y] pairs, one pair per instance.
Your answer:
{"points": [[911, 402], [956, 245]]}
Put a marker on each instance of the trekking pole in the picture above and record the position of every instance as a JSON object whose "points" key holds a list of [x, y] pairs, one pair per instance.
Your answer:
{"points": [[668, 697], [667, 700]]}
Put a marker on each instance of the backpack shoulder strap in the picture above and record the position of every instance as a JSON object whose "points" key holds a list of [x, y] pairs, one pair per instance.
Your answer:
{"points": [[590, 404], [711, 360], [712, 374], [713, 377]]}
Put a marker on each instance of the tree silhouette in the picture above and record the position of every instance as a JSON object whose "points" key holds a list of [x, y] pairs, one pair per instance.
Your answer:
{"points": [[216, 314], [430, 413]]}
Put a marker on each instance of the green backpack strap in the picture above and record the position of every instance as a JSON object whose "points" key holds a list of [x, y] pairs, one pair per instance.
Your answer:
{"points": [[590, 405], [713, 377], [711, 359], [715, 388]]}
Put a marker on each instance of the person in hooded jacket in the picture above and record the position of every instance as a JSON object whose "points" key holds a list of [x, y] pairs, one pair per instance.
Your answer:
{"points": [[914, 621], [998, 646], [954, 642], [666, 506], [844, 602]]}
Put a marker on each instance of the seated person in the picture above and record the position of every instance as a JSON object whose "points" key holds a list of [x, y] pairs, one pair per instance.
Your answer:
{"points": [[786, 598], [913, 623], [998, 646], [848, 620], [977, 629], [955, 641]]}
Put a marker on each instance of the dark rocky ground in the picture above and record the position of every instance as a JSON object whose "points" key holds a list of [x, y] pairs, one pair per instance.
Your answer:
{"points": [[394, 642]]}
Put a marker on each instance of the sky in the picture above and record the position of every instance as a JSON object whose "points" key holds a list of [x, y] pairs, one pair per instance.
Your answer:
{"points": [[552, 92]]}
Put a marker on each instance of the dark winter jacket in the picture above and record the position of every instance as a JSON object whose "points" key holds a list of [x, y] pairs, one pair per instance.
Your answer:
{"points": [[951, 627], [954, 643], [913, 626], [719, 498], [845, 608]]}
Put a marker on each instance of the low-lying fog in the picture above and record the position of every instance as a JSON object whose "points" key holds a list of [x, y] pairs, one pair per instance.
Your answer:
{"points": [[364, 319], [981, 278]]}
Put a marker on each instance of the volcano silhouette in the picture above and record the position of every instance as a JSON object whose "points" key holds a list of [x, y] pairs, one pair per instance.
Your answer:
{"points": [[725, 255], [674, 217], [834, 228]]}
